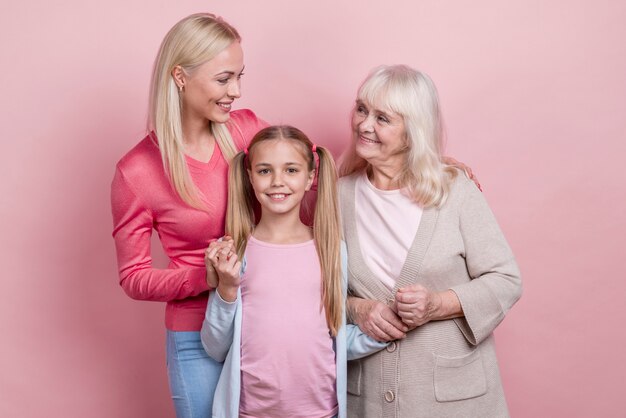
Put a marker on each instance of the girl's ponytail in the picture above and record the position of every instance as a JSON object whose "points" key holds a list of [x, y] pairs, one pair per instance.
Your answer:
{"points": [[327, 234], [240, 212]]}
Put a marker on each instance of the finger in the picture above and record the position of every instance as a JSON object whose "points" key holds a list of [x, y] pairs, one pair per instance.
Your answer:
{"points": [[389, 321], [380, 334]]}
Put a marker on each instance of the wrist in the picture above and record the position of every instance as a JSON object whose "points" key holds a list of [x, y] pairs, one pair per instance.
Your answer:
{"points": [[227, 292]]}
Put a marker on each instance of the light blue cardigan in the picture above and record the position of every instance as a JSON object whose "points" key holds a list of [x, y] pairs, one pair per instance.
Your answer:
{"points": [[221, 331]]}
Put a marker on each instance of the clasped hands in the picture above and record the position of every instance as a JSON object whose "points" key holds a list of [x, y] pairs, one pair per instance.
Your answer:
{"points": [[411, 307], [223, 268]]}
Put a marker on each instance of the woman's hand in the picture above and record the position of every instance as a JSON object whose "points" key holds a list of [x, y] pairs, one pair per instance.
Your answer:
{"points": [[223, 267], [416, 305], [467, 170], [376, 319]]}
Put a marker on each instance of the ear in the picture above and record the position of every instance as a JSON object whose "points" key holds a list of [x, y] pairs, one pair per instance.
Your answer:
{"points": [[309, 181], [178, 74]]}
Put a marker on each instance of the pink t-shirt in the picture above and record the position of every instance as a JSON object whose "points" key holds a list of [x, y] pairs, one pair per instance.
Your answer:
{"points": [[386, 221], [287, 358]]}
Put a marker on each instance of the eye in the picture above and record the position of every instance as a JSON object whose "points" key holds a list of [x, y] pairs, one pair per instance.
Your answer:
{"points": [[292, 170], [223, 80], [239, 76], [360, 109], [382, 119], [263, 171]]}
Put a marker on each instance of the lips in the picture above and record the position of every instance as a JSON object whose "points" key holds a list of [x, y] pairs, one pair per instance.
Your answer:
{"points": [[225, 105], [368, 140]]}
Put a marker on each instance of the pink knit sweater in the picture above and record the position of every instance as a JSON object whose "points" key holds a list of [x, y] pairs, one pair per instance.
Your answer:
{"points": [[142, 199]]}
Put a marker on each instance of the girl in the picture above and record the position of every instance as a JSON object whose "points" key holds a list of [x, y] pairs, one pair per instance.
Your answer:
{"points": [[277, 318]]}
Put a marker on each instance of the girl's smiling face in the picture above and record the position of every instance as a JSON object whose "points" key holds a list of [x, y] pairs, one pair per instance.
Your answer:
{"points": [[280, 176]]}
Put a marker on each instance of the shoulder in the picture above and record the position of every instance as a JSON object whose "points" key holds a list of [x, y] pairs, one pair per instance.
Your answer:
{"points": [[461, 187], [143, 161]]}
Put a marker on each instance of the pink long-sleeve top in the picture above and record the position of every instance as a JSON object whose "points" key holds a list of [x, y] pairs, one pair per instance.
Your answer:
{"points": [[142, 199]]}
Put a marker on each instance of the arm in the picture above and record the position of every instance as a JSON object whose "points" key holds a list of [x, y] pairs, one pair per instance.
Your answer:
{"points": [[132, 229], [496, 283], [360, 344], [218, 326], [479, 305]]}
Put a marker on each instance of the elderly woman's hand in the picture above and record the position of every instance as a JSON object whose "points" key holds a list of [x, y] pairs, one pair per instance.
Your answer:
{"points": [[416, 305], [376, 319], [466, 169]]}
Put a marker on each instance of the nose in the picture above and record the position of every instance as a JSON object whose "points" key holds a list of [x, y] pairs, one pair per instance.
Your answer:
{"points": [[277, 179], [234, 89], [367, 124]]}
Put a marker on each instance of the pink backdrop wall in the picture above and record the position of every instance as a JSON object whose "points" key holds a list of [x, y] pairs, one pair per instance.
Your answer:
{"points": [[534, 98]]}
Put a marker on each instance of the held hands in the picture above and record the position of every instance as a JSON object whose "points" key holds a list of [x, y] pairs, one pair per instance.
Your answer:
{"points": [[376, 319], [223, 268]]}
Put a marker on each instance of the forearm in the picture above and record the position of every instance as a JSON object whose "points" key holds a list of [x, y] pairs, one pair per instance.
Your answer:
{"points": [[163, 285], [357, 309], [447, 307]]}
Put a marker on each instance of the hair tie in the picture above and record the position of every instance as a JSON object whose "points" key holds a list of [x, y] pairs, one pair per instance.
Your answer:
{"points": [[245, 150], [314, 148]]}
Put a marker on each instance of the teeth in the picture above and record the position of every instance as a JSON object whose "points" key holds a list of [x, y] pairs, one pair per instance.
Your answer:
{"points": [[225, 106], [278, 196], [371, 141]]}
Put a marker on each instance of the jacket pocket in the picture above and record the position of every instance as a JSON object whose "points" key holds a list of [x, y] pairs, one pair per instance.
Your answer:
{"points": [[459, 378], [354, 377]]}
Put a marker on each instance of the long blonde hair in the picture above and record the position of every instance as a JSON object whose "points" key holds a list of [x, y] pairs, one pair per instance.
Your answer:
{"points": [[240, 218], [412, 95], [194, 40]]}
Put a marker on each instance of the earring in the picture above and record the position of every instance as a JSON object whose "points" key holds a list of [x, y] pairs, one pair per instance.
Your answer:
{"points": [[180, 88]]}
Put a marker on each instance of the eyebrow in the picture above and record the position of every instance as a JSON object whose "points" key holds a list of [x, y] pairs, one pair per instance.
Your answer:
{"points": [[230, 72], [269, 165]]}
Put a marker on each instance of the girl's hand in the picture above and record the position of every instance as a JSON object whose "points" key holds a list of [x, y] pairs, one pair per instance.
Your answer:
{"points": [[212, 278], [227, 268], [467, 170]]}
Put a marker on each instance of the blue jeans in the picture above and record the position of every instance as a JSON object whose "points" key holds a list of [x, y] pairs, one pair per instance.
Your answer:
{"points": [[192, 375]]}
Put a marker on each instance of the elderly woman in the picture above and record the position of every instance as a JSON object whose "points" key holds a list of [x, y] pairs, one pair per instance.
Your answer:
{"points": [[429, 268]]}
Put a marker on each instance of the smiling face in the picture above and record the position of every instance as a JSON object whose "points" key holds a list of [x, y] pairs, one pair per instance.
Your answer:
{"points": [[380, 135], [210, 89], [280, 175]]}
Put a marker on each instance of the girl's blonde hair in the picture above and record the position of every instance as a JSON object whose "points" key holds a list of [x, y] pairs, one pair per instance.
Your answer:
{"points": [[190, 43], [240, 215], [412, 95]]}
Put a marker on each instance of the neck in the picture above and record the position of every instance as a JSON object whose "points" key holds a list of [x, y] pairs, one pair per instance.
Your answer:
{"points": [[383, 177], [196, 131], [198, 139], [282, 229]]}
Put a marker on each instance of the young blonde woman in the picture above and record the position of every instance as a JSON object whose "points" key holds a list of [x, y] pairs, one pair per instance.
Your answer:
{"points": [[175, 181], [279, 324], [430, 270]]}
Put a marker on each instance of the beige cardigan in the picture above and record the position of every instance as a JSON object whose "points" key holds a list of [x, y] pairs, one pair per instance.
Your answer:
{"points": [[443, 368]]}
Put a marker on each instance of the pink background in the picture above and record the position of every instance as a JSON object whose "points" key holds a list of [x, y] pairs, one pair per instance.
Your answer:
{"points": [[533, 94]]}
